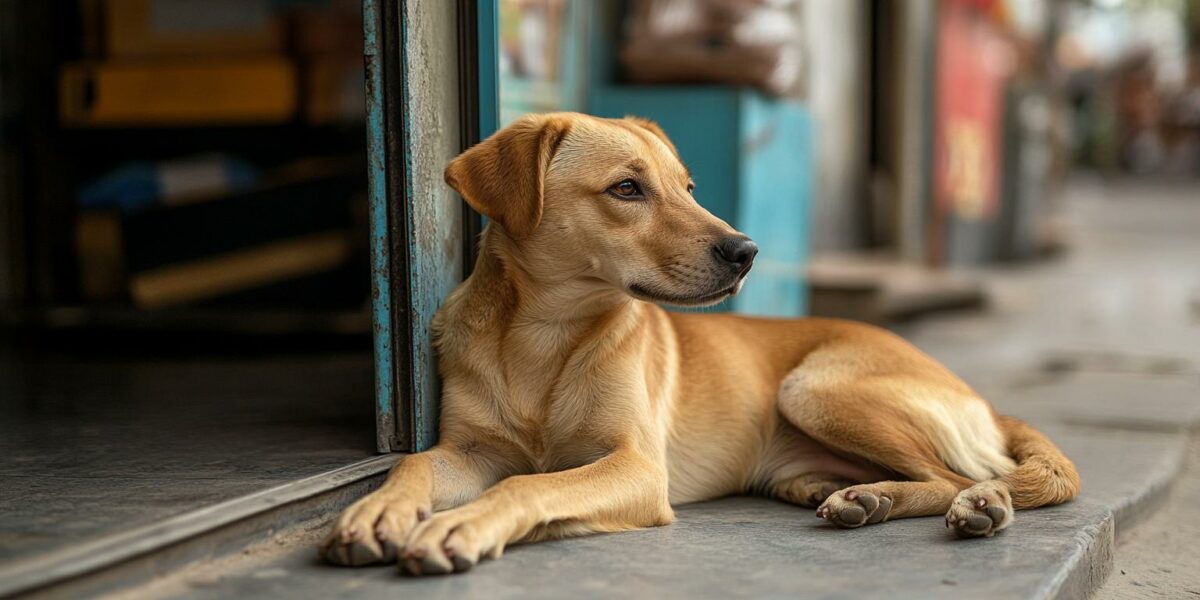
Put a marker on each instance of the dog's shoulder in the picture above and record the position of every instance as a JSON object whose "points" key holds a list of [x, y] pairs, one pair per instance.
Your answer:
{"points": [[474, 307]]}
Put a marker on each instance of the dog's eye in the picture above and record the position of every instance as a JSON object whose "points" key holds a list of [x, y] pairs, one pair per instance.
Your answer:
{"points": [[626, 190], [691, 187]]}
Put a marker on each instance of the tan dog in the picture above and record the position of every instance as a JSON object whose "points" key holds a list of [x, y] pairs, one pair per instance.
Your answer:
{"points": [[573, 404]]}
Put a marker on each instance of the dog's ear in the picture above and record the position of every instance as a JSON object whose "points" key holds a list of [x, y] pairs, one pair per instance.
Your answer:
{"points": [[653, 127], [503, 177]]}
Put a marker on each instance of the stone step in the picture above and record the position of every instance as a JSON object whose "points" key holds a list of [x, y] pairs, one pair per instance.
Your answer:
{"points": [[1127, 451]]}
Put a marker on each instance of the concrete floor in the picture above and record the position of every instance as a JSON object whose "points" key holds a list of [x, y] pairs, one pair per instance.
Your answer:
{"points": [[1154, 560], [96, 443], [1098, 348]]}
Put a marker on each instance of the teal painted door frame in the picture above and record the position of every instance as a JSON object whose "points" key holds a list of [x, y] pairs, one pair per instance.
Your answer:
{"points": [[409, 279], [385, 165]]}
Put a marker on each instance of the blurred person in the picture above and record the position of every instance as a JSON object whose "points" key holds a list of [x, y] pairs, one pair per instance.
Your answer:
{"points": [[1139, 113], [1182, 130]]}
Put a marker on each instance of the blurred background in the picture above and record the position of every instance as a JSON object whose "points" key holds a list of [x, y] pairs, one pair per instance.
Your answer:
{"points": [[879, 144], [148, 143], [185, 255]]}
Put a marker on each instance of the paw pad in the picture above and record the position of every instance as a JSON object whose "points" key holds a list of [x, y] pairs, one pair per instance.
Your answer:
{"points": [[855, 508]]}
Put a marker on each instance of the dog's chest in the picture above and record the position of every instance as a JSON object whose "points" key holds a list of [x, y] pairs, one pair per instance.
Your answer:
{"points": [[557, 422], [551, 391]]}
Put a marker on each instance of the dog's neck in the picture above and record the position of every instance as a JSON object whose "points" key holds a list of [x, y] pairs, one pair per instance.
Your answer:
{"points": [[569, 297], [504, 297]]}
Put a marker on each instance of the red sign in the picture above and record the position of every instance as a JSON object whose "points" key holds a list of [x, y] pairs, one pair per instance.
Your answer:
{"points": [[974, 62]]}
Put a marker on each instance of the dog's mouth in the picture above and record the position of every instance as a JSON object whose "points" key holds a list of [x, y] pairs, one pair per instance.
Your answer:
{"points": [[701, 299]]}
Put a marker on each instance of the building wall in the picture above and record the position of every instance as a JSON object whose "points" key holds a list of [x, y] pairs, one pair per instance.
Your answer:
{"points": [[836, 92]]}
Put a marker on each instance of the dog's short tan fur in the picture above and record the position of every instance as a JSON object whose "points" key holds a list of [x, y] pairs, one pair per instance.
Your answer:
{"points": [[573, 404]]}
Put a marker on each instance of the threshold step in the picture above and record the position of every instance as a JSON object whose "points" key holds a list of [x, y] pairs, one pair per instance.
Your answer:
{"points": [[110, 563]]}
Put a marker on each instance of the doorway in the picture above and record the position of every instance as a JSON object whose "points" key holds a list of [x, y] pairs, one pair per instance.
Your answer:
{"points": [[185, 273]]}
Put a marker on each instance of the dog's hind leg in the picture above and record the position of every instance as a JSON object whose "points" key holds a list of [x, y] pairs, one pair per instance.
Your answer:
{"points": [[868, 418]]}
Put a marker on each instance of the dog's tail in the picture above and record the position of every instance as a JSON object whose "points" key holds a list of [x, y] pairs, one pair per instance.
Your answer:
{"points": [[1044, 475]]}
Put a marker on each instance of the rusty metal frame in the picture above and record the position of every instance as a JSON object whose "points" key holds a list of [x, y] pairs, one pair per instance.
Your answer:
{"points": [[387, 167]]}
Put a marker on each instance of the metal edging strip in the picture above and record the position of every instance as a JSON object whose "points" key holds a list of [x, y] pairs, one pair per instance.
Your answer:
{"points": [[94, 555]]}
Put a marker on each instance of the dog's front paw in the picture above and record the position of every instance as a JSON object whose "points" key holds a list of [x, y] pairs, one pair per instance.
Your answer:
{"points": [[855, 506], [453, 541], [981, 510], [371, 530]]}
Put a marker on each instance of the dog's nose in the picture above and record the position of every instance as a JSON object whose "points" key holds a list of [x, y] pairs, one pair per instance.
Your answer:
{"points": [[737, 250]]}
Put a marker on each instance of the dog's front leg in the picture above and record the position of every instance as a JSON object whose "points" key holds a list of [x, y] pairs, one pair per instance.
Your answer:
{"points": [[373, 528], [623, 490]]}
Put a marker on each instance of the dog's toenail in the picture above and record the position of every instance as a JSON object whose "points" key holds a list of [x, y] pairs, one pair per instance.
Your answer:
{"points": [[422, 514], [980, 503], [962, 522], [449, 551], [850, 495]]}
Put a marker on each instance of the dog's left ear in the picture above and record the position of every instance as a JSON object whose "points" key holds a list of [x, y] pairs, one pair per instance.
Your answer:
{"points": [[653, 127], [503, 177]]}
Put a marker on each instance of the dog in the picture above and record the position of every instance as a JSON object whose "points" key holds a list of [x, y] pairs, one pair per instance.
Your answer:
{"points": [[572, 403]]}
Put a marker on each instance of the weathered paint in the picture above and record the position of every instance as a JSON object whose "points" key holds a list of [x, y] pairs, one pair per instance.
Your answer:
{"points": [[431, 120], [417, 221], [381, 286]]}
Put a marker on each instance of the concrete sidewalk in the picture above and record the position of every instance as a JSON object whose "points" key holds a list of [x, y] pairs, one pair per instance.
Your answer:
{"points": [[1101, 349]]}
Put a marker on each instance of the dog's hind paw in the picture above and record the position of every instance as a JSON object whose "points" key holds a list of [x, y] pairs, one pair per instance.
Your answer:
{"points": [[856, 506], [981, 510]]}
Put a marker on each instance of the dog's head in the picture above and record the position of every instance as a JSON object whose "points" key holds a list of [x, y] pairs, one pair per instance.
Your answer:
{"points": [[606, 201]]}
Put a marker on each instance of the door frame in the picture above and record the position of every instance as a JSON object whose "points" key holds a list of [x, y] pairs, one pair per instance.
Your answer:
{"points": [[431, 93]]}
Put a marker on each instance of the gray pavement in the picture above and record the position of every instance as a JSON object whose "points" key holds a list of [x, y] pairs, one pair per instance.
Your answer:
{"points": [[1101, 349], [1155, 560]]}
